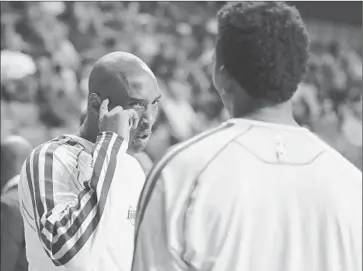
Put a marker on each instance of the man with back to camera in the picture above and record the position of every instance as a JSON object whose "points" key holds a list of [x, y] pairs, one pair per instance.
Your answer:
{"points": [[79, 192], [259, 192]]}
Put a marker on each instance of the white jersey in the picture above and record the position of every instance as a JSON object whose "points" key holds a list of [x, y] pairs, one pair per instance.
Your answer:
{"points": [[253, 196], [78, 201]]}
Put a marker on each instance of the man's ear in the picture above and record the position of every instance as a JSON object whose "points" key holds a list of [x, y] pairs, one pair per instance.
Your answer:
{"points": [[227, 80], [94, 103], [223, 73]]}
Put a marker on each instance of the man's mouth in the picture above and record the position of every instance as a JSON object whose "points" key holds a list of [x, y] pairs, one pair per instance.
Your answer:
{"points": [[143, 135]]}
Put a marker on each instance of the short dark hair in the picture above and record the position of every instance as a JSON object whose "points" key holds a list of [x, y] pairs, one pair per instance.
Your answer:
{"points": [[264, 46]]}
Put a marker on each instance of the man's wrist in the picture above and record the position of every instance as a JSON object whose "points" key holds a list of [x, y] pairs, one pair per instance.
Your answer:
{"points": [[112, 136]]}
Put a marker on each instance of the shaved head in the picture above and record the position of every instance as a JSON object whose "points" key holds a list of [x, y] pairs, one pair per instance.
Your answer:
{"points": [[116, 75], [126, 81]]}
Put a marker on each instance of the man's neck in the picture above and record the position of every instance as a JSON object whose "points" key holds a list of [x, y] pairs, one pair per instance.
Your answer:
{"points": [[280, 114], [87, 130]]}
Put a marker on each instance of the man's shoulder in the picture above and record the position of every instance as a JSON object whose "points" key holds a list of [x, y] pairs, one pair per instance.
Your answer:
{"points": [[63, 146], [200, 141], [196, 152], [207, 143]]}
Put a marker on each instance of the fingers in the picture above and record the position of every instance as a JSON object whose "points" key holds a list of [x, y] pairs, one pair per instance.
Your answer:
{"points": [[104, 108], [135, 121], [134, 118], [130, 114]]}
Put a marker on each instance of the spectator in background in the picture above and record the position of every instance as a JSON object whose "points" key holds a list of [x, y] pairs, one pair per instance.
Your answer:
{"points": [[83, 76], [82, 118], [14, 150], [174, 105]]}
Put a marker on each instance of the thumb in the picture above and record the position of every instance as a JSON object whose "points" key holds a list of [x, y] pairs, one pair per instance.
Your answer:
{"points": [[103, 108]]}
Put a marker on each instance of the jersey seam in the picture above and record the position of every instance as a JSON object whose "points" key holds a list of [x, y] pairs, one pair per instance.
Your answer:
{"points": [[279, 163], [153, 176], [195, 185], [159, 167]]}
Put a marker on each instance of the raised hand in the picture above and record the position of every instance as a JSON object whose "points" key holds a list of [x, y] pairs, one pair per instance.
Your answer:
{"points": [[117, 120]]}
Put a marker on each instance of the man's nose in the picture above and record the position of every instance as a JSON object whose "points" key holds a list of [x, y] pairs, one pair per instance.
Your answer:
{"points": [[146, 119]]}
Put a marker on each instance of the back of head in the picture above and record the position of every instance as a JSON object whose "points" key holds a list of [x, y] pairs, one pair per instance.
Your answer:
{"points": [[264, 47], [14, 151]]}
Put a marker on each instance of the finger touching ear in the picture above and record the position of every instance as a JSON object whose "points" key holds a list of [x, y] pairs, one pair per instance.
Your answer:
{"points": [[103, 108], [94, 102]]}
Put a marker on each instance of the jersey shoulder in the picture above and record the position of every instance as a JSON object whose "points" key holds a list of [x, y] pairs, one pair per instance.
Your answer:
{"points": [[65, 157], [60, 146], [194, 154]]}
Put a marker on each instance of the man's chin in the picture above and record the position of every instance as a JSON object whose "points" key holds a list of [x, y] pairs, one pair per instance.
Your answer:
{"points": [[137, 145]]}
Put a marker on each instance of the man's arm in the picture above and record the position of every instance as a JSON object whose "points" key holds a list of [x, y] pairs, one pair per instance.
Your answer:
{"points": [[74, 228]]}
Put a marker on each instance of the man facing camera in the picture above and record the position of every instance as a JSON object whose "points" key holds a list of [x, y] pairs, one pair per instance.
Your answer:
{"points": [[79, 192], [259, 192]]}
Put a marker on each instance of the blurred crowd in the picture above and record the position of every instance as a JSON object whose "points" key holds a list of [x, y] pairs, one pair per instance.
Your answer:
{"points": [[48, 48], [56, 44]]}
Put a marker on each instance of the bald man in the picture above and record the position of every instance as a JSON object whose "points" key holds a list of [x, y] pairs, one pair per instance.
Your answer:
{"points": [[14, 150], [79, 192]]}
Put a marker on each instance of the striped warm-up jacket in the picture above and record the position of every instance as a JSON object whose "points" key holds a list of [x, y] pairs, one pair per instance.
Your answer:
{"points": [[78, 201]]}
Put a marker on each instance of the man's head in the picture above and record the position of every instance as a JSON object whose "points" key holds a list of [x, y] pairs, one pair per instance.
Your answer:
{"points": [[261, 54], [127, 81], [14, 151]]}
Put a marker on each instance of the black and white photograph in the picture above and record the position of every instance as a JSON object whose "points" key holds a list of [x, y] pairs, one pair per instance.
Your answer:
{"points": [[181, 136]]}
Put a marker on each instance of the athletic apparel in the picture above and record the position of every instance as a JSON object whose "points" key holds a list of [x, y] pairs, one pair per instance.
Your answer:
{"points": [[78, 202], [251, 196]]}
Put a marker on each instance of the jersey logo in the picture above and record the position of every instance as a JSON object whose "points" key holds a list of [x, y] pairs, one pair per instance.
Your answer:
{"points": [[281, 152], [131, 215]]}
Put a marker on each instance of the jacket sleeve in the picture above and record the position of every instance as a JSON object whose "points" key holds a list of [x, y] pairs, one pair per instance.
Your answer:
{"points": [[74, 227]]}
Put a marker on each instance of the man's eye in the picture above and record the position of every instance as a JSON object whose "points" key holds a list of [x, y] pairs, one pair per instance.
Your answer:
{"points": [[136, 104], [155, 102]]}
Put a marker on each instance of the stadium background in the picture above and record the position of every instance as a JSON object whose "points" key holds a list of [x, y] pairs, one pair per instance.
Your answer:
{"points": [[45, 94]]}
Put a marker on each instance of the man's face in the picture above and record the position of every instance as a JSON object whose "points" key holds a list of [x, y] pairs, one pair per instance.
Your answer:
{"points": [[143, 96]]}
